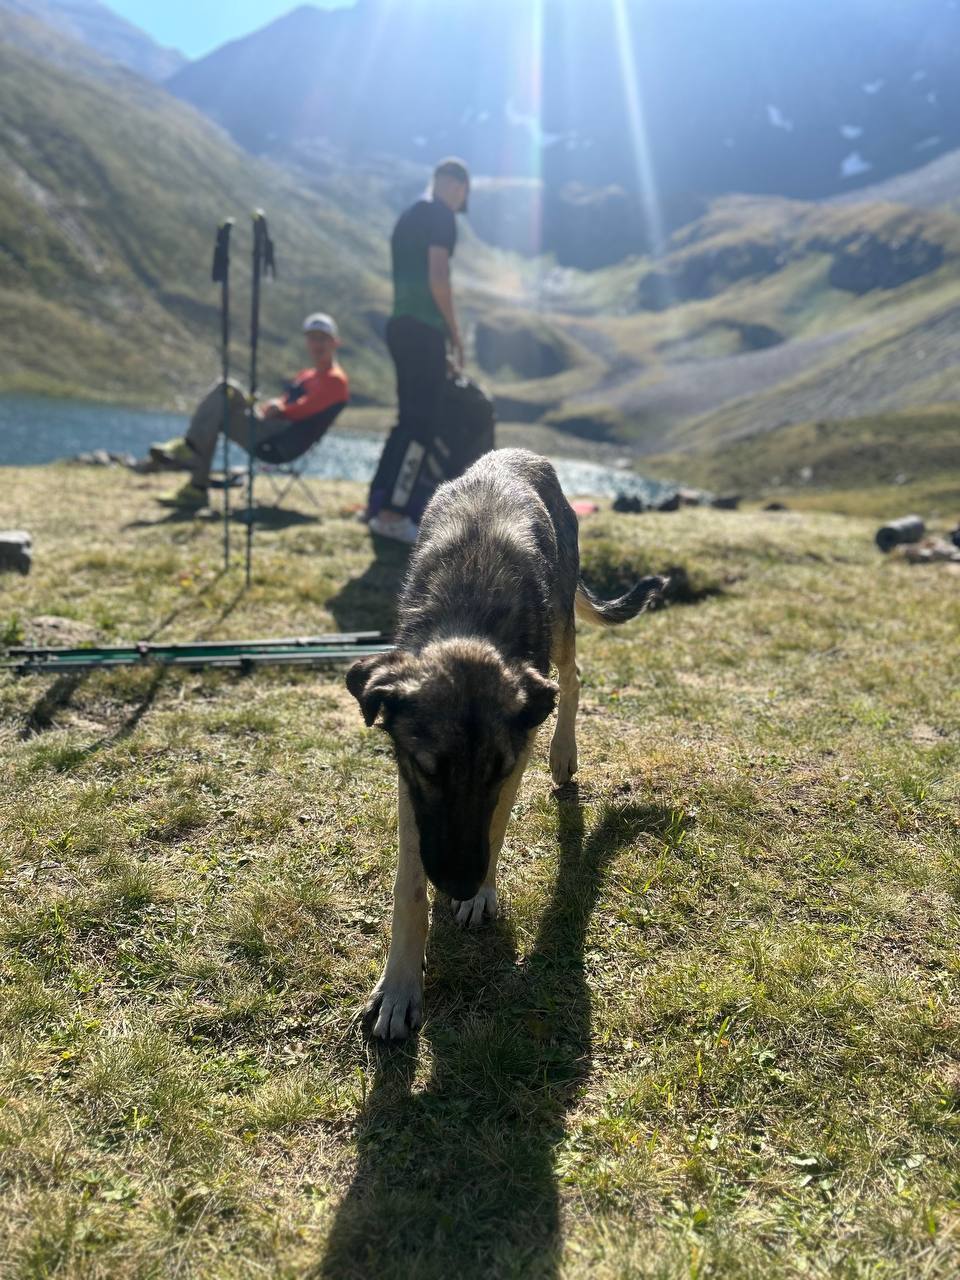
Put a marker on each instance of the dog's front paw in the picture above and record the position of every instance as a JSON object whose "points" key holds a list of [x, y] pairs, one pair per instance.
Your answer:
{"points": [[563, 762], [474, 911], [395, 1008]]}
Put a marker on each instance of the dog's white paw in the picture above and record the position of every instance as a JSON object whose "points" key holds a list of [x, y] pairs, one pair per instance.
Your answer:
{"points": [[563, 762], [474, 911], [395, 1008]]}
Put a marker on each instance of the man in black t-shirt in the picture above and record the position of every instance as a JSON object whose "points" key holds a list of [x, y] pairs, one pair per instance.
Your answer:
{"points": [[424, 320]]}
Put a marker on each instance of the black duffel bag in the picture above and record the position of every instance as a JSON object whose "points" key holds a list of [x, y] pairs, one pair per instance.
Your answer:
{"points": [[467, 425], [465, 431]]}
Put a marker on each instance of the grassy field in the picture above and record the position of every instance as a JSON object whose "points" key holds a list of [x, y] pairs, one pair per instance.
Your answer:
{"points": [[881, 466], [716, 1033]]}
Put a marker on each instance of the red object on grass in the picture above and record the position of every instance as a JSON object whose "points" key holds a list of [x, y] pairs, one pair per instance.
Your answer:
{"points": [[585, 507]]}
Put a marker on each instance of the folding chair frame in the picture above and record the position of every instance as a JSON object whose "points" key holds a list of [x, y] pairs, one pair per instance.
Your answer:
{"points": [[285, 476]]}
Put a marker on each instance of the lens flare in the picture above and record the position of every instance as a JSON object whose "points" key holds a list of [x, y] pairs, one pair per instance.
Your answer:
{"points": [[639, 136]]}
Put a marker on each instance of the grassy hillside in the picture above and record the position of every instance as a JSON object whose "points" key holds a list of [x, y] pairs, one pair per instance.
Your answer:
{"points": [[760, 316], [715, 1034], [764, 312], [110, 192], [867, 465], [102, 29]]}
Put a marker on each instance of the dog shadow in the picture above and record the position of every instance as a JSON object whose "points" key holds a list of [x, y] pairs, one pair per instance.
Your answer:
{"points": [[464, 1165], [369, 603]]}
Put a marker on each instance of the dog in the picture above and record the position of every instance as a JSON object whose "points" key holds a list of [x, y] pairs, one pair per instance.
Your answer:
{"points": [[488, 605]]}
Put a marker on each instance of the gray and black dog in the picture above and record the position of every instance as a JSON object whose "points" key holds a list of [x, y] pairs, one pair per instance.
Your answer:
{"points": [[488, 605]]}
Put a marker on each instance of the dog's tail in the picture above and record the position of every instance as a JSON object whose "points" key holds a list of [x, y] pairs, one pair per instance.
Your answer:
{"points": [[648, 593]]}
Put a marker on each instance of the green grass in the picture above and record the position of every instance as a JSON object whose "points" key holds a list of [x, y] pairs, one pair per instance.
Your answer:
{"points": [[865, 466], [714, 1035]]}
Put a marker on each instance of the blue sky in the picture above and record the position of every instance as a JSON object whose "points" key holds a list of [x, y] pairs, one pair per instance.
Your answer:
{"points": [[196, 28]]}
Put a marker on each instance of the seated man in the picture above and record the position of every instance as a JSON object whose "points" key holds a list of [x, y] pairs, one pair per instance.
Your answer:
{"points": [[314, 399]]}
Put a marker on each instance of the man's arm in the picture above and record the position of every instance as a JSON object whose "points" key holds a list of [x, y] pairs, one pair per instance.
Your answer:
{"points": [[442, 290], [316, 396]]}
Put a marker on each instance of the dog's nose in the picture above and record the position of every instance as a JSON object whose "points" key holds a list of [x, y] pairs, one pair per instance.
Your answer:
{"points": [[459, 890]]}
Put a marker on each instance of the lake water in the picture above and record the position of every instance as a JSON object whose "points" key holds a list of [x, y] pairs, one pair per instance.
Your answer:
{"points": [[34, 431]]}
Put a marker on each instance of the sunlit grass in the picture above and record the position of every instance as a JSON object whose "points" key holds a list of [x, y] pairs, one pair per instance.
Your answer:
{"points": [[714, 1034]]}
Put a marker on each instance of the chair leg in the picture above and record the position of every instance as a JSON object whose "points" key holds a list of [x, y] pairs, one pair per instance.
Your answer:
{"points": [[283, 478], [301, 479]]}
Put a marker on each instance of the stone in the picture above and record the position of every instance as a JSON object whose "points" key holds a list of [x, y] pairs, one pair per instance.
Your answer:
{"points": [[16, 551], [690, 497], [629, 504]]}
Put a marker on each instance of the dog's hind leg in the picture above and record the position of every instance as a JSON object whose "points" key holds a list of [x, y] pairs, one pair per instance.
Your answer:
{"points": [[563, 748], [396, 1006], [485, 906]]}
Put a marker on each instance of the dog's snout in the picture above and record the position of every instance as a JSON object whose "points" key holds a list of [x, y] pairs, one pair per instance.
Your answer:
{"points": [[459, 889]]}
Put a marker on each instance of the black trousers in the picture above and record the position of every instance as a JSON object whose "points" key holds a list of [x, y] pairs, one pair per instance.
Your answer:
{"points": [[403, 481]]}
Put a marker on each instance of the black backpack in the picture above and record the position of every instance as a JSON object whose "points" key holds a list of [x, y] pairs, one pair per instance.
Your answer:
{"points": [[464, 432], [467, 426]]}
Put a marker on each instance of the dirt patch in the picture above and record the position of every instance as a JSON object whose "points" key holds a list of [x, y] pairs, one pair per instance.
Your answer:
{"points": [[925, 735], [59, 632]]}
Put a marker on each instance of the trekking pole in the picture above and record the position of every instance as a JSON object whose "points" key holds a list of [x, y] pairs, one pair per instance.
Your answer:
{"points": [[263, 263], [221, 276]]}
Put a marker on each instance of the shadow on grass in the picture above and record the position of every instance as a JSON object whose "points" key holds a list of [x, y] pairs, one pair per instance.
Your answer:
{"points": [[681, 590], [54, 699], [459, 1177], [58, 697], [134, 716], [263, 518], [229, 608], [369, 603], [178, 612]]}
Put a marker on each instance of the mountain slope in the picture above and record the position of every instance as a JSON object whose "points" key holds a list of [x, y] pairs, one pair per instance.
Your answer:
{"points": [[662, 98], [880, 465], [765, 313], [109, 195], [932, 186], [103, 30]]}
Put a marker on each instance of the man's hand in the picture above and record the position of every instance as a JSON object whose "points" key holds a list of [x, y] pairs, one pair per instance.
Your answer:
{"points": [[270, 411], [443, 296]]}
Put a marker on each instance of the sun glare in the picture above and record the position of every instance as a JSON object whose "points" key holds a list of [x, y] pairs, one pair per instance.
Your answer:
{"points": [[639, 137]]}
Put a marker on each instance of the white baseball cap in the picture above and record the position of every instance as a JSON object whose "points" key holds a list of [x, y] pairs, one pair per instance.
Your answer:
{"points": [[320, 322]]}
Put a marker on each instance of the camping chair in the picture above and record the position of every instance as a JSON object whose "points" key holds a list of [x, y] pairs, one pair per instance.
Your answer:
{"points": [[284, 458]]}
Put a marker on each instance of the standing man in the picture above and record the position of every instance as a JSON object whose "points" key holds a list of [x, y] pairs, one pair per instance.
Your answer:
{"points": [[424, 321]]}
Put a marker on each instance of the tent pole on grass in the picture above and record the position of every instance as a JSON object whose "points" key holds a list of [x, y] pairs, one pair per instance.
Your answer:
{"points": [[263, 263], [221, 276], [245, 655]]}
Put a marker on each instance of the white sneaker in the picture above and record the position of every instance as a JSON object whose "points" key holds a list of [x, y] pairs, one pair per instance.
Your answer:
{"points": [[400, 528]]}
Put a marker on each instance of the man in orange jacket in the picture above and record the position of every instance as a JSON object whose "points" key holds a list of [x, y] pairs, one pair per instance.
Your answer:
{"points": [[311, 403]]}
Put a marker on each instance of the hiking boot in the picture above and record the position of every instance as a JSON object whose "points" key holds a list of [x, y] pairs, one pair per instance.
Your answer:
{"points": [[190, 497], [400, 528], [175, 454]]}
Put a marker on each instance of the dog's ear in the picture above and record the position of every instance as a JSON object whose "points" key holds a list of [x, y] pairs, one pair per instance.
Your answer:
{"points": [[375, 683], [538, 699]]}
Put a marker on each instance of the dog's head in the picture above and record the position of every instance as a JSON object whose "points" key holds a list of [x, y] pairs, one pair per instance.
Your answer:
{"points": [[459, 718]]}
